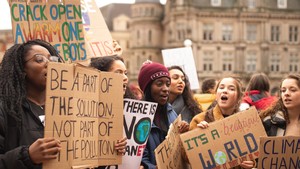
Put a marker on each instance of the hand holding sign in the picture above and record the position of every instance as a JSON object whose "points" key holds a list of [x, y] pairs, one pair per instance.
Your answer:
{"points": [[203, 125], [120, 146], [44, 149], [183, 126]]}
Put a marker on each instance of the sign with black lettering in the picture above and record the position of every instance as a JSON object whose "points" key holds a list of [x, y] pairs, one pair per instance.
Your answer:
{"points": [[168, 153], [138, 118], [225, 143], [279, 152], [84, 110]]}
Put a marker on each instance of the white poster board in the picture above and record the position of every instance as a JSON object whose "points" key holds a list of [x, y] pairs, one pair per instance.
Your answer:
{"points": [[184, 58]]}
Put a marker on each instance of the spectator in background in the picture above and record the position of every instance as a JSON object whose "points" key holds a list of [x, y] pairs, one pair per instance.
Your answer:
{"points": [[228, 96], [207, 96], [136, 91], [181, 96], [257, 93], [113, 64], [154, 80], [283, 118]]}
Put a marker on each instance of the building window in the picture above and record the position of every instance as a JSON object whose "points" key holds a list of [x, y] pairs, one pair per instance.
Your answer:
{"points": [[215, 2], [251, 4], [274, 62], [227, 60], [294, 62], [282, 4], [180, 31], [293, 34], [138, 34], [251, 32], [227, 32], [275, 33], [150, 36], [251, 61], [208, 60], [208, 32]]}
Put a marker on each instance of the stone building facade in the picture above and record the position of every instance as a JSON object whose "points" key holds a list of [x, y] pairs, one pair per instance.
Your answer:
{"points": [[229, 37]]}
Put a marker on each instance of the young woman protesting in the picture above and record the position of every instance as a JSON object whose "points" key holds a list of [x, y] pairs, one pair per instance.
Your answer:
{"points": [[228, 96], [22, 92], [283, 118], [154, 80], [181, 96]]}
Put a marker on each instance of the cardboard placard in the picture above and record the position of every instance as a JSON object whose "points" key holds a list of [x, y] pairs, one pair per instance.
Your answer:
{"points": [[84, 110], [97, 36], [182, 57], [168, 153], [279, 152], [225, 143], [61, 24]]}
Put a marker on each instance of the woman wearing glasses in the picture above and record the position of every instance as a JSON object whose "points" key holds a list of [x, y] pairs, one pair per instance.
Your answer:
{"points": [[23, 75]]}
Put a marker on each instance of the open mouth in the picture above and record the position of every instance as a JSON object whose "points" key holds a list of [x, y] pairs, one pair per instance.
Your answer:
{"points": [[224, 98]]}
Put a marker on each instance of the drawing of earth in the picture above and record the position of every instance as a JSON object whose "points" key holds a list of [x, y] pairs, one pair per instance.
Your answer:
{"points": [[220, 157]]}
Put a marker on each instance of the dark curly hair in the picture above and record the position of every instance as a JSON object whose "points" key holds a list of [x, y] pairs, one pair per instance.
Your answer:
{"points": [[187, 93], [12, 78]]}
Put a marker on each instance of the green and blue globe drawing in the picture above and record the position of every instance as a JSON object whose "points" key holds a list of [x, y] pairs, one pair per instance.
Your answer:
{"points": [[142, 130], [220, 157]]}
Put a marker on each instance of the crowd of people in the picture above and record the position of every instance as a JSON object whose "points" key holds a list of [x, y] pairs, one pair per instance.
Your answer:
{"points": [[23, 75]]}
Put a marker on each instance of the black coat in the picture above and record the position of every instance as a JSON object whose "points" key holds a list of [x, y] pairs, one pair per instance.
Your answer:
{"points": [[14, 140]]}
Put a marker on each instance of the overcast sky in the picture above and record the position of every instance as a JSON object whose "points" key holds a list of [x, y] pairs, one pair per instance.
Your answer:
{"points": [[5, 21]]}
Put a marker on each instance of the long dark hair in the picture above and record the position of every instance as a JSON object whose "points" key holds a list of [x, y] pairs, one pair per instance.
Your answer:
{"points": [[104, 64], [187, 93], [279, 106], [12, 76], [260, 82]]}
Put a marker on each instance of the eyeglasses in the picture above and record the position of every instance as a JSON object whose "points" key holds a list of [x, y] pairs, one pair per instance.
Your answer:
{"points": [[39, 58]]}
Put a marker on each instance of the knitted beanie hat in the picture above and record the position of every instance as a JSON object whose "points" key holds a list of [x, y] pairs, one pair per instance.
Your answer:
{"points": [[151, 71]]}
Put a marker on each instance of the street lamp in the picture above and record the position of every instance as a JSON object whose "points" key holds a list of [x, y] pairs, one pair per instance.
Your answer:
{"points": [[187, 43]]}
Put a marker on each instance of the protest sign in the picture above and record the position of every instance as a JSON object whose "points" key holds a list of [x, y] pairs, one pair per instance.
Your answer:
{"points": [[279, 152], [57, 22], [225, 143], [84, 110], [138, 117], [168, 153], [75, 28], [97, 36], [182, 57]]}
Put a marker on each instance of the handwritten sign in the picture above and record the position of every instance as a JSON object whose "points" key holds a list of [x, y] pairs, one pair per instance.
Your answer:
{"points": [[58, 23], [225, 143], [84, 110], [168, 153], [138, 117], [279, 152], [97, 36], [182, 57]]}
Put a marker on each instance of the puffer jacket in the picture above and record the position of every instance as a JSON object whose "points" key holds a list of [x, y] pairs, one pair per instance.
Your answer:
{"points": [[156, 137], [15, 141]]}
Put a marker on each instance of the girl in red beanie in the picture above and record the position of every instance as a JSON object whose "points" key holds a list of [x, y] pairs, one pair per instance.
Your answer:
{"points": [[154, 80]]}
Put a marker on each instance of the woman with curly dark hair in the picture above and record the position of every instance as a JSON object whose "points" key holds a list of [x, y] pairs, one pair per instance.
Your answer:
{"points": [[22, 98], [283, 118], [181, 96]]}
